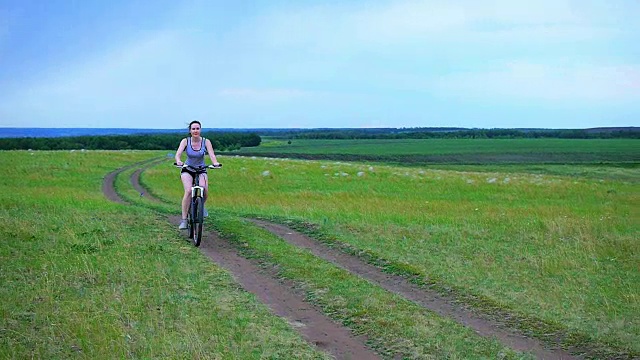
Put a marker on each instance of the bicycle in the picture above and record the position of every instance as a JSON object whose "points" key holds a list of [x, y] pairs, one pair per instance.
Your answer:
{"points": [[195, 215]]}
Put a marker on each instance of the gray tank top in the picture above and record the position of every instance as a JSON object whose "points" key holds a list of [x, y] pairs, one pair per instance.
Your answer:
{"points": [[195, 158]]}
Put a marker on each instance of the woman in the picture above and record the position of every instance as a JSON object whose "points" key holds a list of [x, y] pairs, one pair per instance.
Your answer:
{"points": [[196, 146]]}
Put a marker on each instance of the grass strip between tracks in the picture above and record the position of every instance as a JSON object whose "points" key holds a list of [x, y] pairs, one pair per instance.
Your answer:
{"points": [[394, 325]]}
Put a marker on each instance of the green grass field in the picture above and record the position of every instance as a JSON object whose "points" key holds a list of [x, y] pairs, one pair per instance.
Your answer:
{"points": [[84, 277], [558, 249]]}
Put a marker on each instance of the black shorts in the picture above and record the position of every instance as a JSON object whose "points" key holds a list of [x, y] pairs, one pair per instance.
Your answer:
{"points": [[193, 174]]}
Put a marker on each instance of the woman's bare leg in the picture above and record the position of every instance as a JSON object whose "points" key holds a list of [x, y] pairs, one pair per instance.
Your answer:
{"points": [[204, 182], [187, 180]]}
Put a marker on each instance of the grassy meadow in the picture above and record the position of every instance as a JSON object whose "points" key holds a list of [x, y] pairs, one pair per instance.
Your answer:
{"points": [[82, 277], [555, 252], [558, 253], [394, 326]]}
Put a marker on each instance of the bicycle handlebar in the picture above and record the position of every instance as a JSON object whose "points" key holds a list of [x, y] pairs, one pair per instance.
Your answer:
{"points": [[197, 168]]}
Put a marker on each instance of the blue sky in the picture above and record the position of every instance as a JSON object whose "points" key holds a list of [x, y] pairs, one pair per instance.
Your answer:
{"points": [[282, 64]]}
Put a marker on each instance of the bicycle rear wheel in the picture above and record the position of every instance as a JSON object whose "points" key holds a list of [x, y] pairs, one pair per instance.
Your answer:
{"points": [[198, 218]]}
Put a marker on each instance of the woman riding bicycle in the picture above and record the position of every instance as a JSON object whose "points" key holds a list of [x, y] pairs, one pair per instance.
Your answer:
{"points": [[196, 146]]}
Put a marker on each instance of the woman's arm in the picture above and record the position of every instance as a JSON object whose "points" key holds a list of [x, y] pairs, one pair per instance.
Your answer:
{"points": [[212, 155], [183, 145]]}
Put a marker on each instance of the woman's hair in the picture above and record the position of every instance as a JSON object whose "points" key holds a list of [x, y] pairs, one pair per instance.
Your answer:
{"points": [[191, 123]]}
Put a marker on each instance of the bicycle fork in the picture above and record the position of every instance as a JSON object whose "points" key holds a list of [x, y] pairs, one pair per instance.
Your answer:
{"points": [[197, 191], [196, 206]]}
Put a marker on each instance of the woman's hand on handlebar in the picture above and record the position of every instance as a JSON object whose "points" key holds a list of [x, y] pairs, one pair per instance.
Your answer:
{"points": [[183, 165]]}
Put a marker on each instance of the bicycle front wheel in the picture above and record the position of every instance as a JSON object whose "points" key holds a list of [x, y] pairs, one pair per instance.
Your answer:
{"points": [[190, 220], [198, 219]]}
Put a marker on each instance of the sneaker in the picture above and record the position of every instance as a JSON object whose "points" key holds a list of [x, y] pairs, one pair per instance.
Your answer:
{"points": [[183, 225], [205, 213]]}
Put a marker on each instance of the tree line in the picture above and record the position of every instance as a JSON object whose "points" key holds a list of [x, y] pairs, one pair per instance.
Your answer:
{"points": [[220, 141], [459, 133], [228, 141]]}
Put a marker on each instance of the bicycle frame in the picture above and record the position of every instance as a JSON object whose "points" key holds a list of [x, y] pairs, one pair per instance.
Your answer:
{"points": [[195, 215]]}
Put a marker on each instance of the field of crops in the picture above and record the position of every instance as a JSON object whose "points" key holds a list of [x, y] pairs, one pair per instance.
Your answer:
{"points": [[459, 151]]}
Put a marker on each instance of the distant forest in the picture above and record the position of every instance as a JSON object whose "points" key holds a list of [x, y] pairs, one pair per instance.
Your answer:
{"points": [[228, 141], [220, 141], [457, 133]]}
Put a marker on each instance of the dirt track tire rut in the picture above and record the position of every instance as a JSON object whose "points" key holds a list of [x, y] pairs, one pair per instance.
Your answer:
{"points": [[426, 298], [315, 327], [253, 279]]}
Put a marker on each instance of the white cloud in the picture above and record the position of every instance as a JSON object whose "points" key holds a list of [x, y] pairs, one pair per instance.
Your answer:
{"points": [[343, 26], [532, 81], [119, 72], [254, 94]]}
